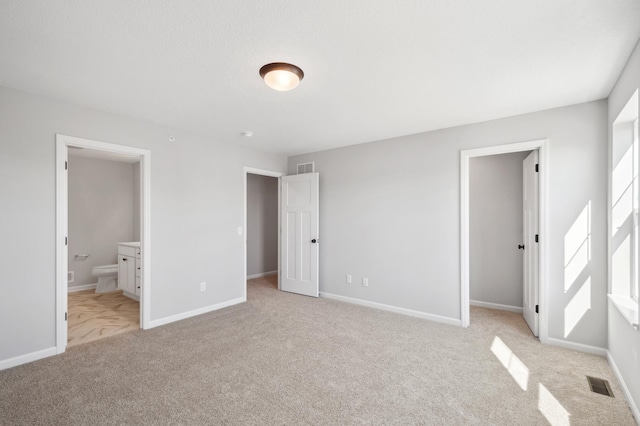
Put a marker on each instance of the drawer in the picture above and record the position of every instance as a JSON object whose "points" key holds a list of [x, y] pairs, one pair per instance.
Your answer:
{"points": [[138, 267], [138, 284], [127, 251]]}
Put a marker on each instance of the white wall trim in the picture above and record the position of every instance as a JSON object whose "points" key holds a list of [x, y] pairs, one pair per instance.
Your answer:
{"points": [[579, 347], [30, 357], [196, 312], [542, 146], [625, 389], [261, 172], [395, 309], [81, 287], [498, 306], [262, 274], [63, 142]]}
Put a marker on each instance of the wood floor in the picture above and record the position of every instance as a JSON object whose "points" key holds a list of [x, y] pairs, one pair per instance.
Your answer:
{"points": [[93, 316]]}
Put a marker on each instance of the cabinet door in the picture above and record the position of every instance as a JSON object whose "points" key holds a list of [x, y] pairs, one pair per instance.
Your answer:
{"points": [[127, 273], [123, 281], [131, 275]]}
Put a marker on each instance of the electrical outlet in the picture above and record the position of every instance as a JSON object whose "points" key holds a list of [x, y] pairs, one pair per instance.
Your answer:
{"points": [[71, 276], [365, 282], [348, 278], [203, 286]]}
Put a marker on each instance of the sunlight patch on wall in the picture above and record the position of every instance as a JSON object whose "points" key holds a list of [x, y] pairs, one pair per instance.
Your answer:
{"points": [[577, 307], [514, 366], [577, 247], [551, 408]]}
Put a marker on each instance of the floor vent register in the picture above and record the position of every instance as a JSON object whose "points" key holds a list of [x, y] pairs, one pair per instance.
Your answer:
{"points": [[599, 386]]}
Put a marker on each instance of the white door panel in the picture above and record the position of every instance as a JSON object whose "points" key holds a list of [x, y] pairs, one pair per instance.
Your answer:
{"points": [[530, 230], [299, 225]]}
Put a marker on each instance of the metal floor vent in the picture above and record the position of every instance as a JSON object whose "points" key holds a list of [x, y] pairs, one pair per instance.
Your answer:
{"points": [[599, 386]]}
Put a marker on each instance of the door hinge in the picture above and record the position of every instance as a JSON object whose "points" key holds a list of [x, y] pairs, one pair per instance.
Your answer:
{"points": [[65, 241], [536, 238], [537, 309], [65, 165], [65, 316], [537, 168]]}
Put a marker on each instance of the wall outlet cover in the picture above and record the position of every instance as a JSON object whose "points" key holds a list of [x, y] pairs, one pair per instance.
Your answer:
{"points": [[71, 276]]}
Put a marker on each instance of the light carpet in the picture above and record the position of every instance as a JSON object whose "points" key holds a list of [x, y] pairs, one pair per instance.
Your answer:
{"points": [[287, 359]]}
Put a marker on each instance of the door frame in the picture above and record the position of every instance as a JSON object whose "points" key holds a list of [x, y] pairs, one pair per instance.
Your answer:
{"points": [[261, 172], [542, 145], [63, 142]]}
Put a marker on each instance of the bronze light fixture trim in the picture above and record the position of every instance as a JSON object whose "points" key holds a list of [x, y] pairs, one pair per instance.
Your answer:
{"points": [[281, 76]]}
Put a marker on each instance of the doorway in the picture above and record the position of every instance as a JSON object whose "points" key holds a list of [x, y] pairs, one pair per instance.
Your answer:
{"points": [[501, 224], [65, 144], [541, 147], [261, 224]]}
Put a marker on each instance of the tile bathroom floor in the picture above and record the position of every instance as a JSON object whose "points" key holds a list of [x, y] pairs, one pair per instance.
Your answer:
{"points": [[93, 316]]}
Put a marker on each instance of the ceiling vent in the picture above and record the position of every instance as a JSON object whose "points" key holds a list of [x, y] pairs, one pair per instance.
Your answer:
{"points": [[306, 168]]}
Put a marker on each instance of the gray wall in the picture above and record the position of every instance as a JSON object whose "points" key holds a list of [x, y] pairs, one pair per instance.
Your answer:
{"points": [[390, 211], [262, 224], [100, 213], [624, 341], [197, 204], [495, 228]]}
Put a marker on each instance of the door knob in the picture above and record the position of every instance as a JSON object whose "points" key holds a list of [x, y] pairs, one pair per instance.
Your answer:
{"points": [[521, 247], [314, 241]]}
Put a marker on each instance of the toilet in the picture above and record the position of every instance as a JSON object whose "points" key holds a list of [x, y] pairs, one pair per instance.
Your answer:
{"points": [[107, 278]]}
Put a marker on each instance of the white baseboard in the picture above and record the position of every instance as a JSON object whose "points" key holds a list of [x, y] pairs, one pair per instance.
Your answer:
{"points": [[262, 274], [625, 389], [81, 287], [195, 312], [516, 309], [397, 310], [30, 357], [574, 346]]}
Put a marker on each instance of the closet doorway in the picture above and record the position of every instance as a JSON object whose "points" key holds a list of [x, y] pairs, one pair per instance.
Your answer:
{"points": [[261, 224], [536, 269]]}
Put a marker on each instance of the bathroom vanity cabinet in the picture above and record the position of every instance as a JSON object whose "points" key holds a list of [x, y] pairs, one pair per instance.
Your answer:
{"points": [[129, 271]]}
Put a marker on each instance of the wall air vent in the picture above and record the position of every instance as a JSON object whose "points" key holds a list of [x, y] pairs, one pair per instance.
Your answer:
{"points": [[599, 386], [306, 168]]}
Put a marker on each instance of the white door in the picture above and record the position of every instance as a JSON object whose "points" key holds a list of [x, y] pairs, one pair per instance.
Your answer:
{"points": [[530, 231], [299, 227]]}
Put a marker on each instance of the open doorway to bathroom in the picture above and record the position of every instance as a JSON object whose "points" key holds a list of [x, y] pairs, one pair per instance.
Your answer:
{"points": [[262, 202], [102, 203], [103, 244]]}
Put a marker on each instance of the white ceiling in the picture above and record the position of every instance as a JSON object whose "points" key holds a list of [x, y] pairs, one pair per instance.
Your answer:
{"points": [[373, 69]]}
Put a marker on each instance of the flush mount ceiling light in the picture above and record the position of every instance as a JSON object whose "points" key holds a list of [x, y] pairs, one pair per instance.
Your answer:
{"points": [[281, 76]]}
